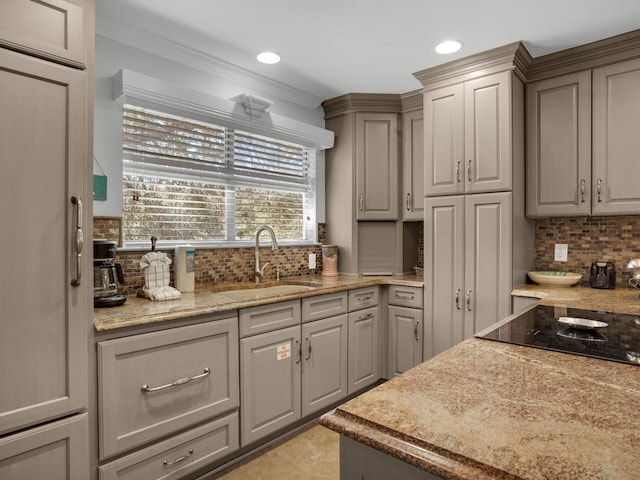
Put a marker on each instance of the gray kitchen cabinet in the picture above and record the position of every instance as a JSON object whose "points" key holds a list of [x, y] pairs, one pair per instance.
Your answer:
{"points": [[405, 328], [468, 254], [324, 306], [413, 165], [377, 166], [154, 384], [270, 386], [265, 318], [179, 455], [559, 146], [616, 143], [45, 146], [364, 351], [468, 136]]}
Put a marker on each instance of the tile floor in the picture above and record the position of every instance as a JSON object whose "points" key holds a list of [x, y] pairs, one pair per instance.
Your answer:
{"points": [[311, 455]]}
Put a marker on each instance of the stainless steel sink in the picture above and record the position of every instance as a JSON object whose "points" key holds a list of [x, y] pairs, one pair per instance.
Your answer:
{"points": [[247, 291]]}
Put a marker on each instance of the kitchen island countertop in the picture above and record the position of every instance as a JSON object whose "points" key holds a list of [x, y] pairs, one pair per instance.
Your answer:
{"points": [[491, 410]]}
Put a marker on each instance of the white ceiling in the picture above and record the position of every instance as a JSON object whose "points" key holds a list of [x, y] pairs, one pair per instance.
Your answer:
{"points": [[332, 47]]}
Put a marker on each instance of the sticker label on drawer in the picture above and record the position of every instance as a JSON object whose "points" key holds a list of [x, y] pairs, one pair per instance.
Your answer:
{"points": [[283, 351]]}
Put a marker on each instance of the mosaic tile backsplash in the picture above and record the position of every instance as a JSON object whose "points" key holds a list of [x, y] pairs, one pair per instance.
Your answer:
{"points": [[589, 239]]}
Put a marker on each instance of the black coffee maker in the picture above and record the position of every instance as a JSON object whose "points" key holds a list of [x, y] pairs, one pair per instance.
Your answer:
{"points": [[106, 275]]}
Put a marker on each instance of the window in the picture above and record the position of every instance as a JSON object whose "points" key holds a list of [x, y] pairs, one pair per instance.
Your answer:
{"points": [[185, 180]]}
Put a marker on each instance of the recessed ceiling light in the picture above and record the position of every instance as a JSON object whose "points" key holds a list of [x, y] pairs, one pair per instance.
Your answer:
{"points": [[268, 57], [448, 46]]}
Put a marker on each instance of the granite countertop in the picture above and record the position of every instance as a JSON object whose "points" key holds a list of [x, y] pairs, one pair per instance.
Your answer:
{"points": [[217, 298], [490, 410]]}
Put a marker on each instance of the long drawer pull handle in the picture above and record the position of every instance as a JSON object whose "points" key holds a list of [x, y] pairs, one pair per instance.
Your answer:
{"points": [[179, 459], [78, 240], [180, 381], [308, 357], [416, 331], [405, 296], [458, 299], [469, 299]]}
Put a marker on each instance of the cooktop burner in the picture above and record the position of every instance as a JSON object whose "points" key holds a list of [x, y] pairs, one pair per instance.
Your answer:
{"points": [[575, 331]]}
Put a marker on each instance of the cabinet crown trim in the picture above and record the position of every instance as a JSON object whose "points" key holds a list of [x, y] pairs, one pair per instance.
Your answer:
{"points": [[514, 56], [362, 102], [411, 101]]}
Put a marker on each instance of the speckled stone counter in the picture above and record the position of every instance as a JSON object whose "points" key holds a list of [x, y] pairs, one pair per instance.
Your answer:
{"points": [[220, 298], [490, 410]]}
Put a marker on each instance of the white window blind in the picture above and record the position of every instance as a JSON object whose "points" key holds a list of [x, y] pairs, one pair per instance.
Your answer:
{"points": [[185, 180]]}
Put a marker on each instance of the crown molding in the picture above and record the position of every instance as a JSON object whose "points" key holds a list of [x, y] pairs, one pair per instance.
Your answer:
{"points": [[411, 100], [586, 57], [144, 91], [107, 27], [514, 56], [362, 102]]}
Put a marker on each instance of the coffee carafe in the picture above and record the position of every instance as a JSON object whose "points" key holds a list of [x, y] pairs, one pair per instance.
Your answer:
{"points": [[106, 274]]}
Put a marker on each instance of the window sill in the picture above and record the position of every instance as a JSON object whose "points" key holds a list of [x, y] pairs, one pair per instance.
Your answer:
{"points": [[160, 246]]}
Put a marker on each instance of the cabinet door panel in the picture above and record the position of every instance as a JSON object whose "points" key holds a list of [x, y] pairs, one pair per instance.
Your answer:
{"points": [[363, 348], [616, 143], [324, 375], [444, 141], [270, 383], [41, 145], [487, 260], [413, 165], [443, 274], [377, 166], [488, 133], [405, 339], [559, 146]]}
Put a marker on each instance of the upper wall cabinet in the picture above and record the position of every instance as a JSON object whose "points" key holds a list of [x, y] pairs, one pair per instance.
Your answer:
{"points": [[467, 136], [412, 204], [559, 146], [616, 142], [377, 166], [51, 29]]}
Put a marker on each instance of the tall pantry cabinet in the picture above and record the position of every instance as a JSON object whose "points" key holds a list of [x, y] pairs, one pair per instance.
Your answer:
{"points": [[45, 142], [477, 244]]}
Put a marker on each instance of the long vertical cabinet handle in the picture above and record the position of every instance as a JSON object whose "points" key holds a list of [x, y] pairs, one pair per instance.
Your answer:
{"points": [[308, 357], [299, 345], [458, 172], [469, 170], [469, 300], [415, 331], [408, 202], [458, 299], [582, 186], [78, 240], [599, 190], [362, 202]]}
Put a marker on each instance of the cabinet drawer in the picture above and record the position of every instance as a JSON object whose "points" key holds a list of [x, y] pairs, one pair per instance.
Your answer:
{"points": [[265, 318], [406, 296], [179, 455], [56, 451], [153, 384], [324, 306], [363, 298], [53, 29]]}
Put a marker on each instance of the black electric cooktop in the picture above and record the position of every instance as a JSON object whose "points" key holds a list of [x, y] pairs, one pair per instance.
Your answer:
{"points": [[618, 341]]}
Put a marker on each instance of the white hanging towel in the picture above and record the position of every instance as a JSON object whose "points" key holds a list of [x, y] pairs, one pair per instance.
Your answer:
{"points": [[157, 275]]}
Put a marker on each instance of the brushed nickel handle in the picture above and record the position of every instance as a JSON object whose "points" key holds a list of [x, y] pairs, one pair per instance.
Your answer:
{"points": [[308, 357], [458, 172], [408, 202], [469, 170], [299, 344], [582, 185], [415, 331], [599, 190], [469, 300], [363, 317], [405, 296], [180, 381], [178, 460], [458, 299], [78, 240], [361, 202], [364, 298]]}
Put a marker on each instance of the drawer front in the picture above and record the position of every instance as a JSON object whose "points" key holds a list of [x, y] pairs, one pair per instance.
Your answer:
{"points": [[179, 455], [153, 384], [363, 298], [266, 318], [406, 296], [56, 451], [324, 306], [53, 29]]}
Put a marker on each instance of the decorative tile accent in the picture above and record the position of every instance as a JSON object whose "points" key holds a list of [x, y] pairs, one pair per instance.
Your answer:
{"points": [[590, 239]]}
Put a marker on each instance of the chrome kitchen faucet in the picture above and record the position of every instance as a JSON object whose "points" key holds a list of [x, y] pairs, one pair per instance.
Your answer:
{"points": [[259, 272]]}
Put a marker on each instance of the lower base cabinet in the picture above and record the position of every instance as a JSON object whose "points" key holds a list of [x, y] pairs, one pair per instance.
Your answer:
{"points": [[364, 368], [405, 339], [180, 455], [56, 451]]}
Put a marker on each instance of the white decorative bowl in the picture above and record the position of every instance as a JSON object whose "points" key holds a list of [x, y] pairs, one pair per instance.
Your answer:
{"points": [[555, 279]]}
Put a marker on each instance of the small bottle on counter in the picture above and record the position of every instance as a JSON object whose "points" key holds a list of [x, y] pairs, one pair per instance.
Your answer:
{"points": [[185, 268]]}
